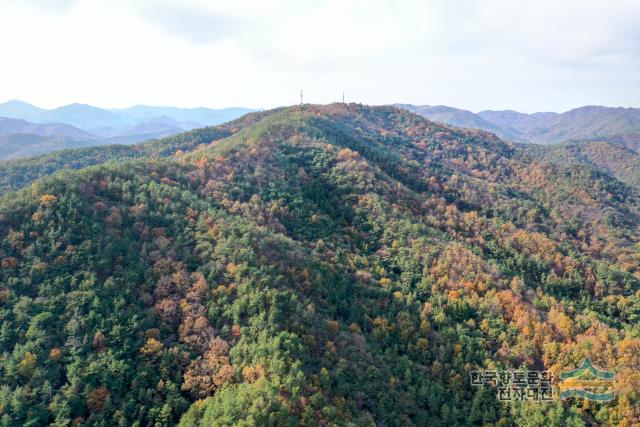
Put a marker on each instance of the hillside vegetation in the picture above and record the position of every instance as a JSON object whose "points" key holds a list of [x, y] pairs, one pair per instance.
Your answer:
{"points": [[610, 157], [16, 174], [316, 265]]}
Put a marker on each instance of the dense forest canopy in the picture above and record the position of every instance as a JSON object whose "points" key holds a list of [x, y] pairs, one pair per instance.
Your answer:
{"points": [[611, 157], [315, 265]]}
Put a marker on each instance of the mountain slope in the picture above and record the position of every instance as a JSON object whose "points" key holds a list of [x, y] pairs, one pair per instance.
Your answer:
{"points": [[612, 158], [16, 174], [321, 265]]}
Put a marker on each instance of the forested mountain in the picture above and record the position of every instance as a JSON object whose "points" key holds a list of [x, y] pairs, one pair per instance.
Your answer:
{"points": [[316, 265], [587, 123], [584, 123]]}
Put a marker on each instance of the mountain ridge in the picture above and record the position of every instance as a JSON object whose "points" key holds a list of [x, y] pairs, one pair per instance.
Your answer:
{"points": [[582, 123], [20, 138], [9, 126]]}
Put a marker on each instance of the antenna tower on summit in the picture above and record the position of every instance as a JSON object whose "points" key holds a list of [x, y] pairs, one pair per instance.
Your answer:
{"points": [[300, 96], [343, 96]]}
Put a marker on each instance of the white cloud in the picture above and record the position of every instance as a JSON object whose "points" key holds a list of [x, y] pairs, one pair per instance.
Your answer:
{"points": [[51, 6], [198, 26], [528, 55]]}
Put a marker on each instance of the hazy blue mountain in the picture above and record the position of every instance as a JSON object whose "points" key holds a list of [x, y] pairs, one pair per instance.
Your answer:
{"points": [[153, 128], [20, 138], [86, 123], [88, 117], [155, 125], [85, 117], [10, 126], [82, 116], [15, 109], [520, 122], [22, 145], [196, 116]]}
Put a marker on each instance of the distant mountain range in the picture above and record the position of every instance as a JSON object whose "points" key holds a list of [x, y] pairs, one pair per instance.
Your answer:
{"points": [[20, 138], [18, 126], [27, 130], [584, 123], [457, 117]]}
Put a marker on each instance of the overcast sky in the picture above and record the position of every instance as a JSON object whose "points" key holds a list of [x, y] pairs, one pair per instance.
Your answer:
{"points": [[528, 55]]}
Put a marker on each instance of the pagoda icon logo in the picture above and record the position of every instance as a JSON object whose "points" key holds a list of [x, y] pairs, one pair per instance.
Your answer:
{"points": [[588, 382]]}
